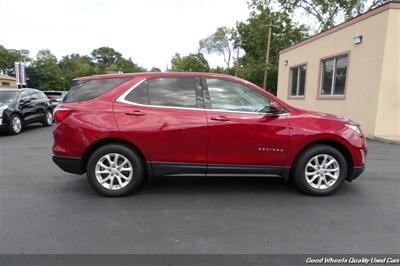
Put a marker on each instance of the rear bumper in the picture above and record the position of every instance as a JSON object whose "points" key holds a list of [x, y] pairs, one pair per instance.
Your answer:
{"points": [[357, 171], [71, 165]]}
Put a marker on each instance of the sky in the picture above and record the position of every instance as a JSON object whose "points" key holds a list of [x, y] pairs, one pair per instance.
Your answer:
{"points": [[148, 31]]}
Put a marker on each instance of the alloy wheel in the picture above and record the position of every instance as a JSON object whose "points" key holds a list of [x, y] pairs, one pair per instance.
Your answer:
{"points": [[114, 171], [322, 171]]}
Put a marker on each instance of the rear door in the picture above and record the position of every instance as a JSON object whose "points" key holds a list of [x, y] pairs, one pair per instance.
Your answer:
{"points": [[38, 104], [242, 130], [165, 117]]}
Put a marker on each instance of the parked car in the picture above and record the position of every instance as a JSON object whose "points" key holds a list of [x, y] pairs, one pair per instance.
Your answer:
{"points": [[55, 97], [120, 129], [20, 107]]}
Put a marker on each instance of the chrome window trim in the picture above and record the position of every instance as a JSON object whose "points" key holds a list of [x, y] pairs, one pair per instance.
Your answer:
{"points": [[122, 99]]}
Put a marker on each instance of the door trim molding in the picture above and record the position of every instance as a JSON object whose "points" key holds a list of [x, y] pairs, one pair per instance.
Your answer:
{"points": [[160, 169]]}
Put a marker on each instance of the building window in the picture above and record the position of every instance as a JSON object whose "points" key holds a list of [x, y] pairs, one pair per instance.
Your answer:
{"points": [[5, 83], [333, 76], [298, 81]]}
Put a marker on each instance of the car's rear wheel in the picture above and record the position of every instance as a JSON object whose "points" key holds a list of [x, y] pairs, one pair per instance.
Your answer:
{"points": [[47, 119], [115, 170], [320, 170], [15, 125]]}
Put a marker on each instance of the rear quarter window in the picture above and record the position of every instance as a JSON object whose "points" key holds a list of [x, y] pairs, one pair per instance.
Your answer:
{"points": [[83, 90]]}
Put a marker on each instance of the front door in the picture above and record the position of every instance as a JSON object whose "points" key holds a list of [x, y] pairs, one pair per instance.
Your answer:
{"points": [[242, 130], [27, 106]]}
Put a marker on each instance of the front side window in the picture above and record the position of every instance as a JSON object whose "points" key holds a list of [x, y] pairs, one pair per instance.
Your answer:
{"points": [[232, 96], [298, 81], [333, 76], [35, 95], [25, 95]]}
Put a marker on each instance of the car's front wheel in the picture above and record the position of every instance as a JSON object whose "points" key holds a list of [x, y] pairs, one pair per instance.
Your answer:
{"points": [[320, 170], [115, 170]]}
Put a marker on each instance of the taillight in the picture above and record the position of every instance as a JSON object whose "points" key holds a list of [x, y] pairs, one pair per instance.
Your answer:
{"points": [[60, 114]]}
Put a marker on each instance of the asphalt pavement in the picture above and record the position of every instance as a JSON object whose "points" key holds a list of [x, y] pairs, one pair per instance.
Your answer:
{"points": [[45, 210]]}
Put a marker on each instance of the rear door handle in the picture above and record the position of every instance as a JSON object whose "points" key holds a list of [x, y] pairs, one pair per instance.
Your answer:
{"points": [[135, 112], [219, 118]]}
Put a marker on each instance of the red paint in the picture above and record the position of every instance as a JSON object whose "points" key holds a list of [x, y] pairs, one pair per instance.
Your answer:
{"points": [[198, 135]]}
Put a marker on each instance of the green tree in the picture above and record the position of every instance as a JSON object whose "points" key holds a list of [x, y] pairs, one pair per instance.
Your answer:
{"points": [[105, 57], [326, 13], [155, 69], [7, 61], [220, 42], [252, 37], [128, 66], [190, 63], [44, 72], [74, 66]]}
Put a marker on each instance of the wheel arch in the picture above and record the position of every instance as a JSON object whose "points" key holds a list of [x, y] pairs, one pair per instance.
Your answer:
{"points": [[334, 144], [102, 142]]}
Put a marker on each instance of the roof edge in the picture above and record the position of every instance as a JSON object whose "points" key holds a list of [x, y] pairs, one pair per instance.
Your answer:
{"points": [[359, 18]]}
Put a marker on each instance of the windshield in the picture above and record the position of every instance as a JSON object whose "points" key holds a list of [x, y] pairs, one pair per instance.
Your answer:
{"points": [[8, 96]]}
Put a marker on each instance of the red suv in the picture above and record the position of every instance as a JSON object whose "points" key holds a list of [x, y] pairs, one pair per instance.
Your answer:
{"points": [[120, 129]]}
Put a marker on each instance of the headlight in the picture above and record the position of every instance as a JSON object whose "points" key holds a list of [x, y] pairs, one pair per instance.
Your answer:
{"points": [[2, 108], [355, 128]]}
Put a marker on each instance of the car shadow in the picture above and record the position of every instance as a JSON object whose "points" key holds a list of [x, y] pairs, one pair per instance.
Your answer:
{"points": [[220, 185], [25, 129], [189, 185]]}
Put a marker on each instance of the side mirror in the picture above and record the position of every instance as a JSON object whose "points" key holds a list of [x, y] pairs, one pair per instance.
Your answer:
{"points": [[275, 107]]}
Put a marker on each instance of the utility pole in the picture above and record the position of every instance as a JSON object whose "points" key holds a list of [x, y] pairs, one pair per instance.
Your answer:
{"points": [[237, 60], [267, 56]]}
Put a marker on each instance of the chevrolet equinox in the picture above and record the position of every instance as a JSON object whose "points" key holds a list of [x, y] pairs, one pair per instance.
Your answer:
{"points": [[123, 128]]}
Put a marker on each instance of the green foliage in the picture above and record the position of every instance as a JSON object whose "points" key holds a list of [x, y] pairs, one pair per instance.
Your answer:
{"points": [[75, 65], [155, 69], [44, 72], [219, 42], [190, 63], [7, 61], [326, 13], [105, 57], [252, 37]]}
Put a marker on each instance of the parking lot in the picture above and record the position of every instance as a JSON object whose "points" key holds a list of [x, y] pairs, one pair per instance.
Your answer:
{"points": [[44, 210]]}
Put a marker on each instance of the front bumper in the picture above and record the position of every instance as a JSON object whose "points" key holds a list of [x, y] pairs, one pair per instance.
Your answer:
{"points": [[71, 165], [357, 171]]}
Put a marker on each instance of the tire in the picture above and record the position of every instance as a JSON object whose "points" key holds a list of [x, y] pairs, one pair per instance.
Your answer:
{"points": [[15, 125], [117, 183], [47, 119], [311, 161]]}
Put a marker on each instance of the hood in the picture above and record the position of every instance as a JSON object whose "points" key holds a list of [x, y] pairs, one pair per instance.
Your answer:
{"points": [[329, 116]]}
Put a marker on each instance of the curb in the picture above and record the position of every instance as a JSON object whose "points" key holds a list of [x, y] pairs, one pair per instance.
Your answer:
{"points": [[379, 139]]}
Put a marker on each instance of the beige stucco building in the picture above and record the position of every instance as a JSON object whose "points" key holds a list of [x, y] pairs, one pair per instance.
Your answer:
{"points": [[7, 81], [352, 70]]}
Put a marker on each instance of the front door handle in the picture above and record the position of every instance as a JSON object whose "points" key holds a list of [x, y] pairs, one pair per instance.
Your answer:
{"points": [[135, 112], [219, 118]]}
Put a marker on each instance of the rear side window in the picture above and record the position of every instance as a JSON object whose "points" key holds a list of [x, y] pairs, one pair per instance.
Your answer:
{"points": [[140, 94], [83, 90], [168, 91], [177, 92]]}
